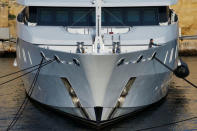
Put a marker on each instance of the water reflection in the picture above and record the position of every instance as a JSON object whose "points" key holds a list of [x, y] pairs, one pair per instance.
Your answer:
{"points": [[181, 103]]}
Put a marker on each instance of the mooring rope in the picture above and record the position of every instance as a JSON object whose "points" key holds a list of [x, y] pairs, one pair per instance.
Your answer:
{"points": [[175, 122], [189, 82], [42, 64], [22, 70], [23, 105], [168, 124], [46, 63]]}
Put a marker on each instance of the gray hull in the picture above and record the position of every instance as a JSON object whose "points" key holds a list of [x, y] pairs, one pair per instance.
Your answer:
{"points": [[99, 80]]}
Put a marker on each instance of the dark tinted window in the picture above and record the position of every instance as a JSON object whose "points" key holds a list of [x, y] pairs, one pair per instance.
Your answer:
{"points": [[150, 17], [110, 16], [45, 16], [115, 16], [163, 14], [80, 18], [32, 14], [133, 16], [62, 17]]}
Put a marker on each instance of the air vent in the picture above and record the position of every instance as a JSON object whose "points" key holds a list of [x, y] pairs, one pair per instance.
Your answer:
{"points": [[153, 55], [76, 62], [121, 62], [139, 59]]}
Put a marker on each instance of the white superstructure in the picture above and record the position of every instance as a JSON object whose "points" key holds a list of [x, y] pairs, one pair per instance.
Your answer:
{"points": [[106, 69], [90, 3]]}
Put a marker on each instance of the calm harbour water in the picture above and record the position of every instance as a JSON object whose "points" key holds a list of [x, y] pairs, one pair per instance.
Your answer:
{"points": [[181, 103]]}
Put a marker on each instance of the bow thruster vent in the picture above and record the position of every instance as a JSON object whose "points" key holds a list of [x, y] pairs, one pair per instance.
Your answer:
{"points": [[74, 97], [122, 97]]}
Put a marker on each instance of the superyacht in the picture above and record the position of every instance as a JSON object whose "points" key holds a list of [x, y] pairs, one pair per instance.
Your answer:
{"points": [[106, 51]]}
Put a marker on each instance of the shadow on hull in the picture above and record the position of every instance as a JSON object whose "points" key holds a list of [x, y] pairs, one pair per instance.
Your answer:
{"points": [[94, 124], [7, 54]]}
